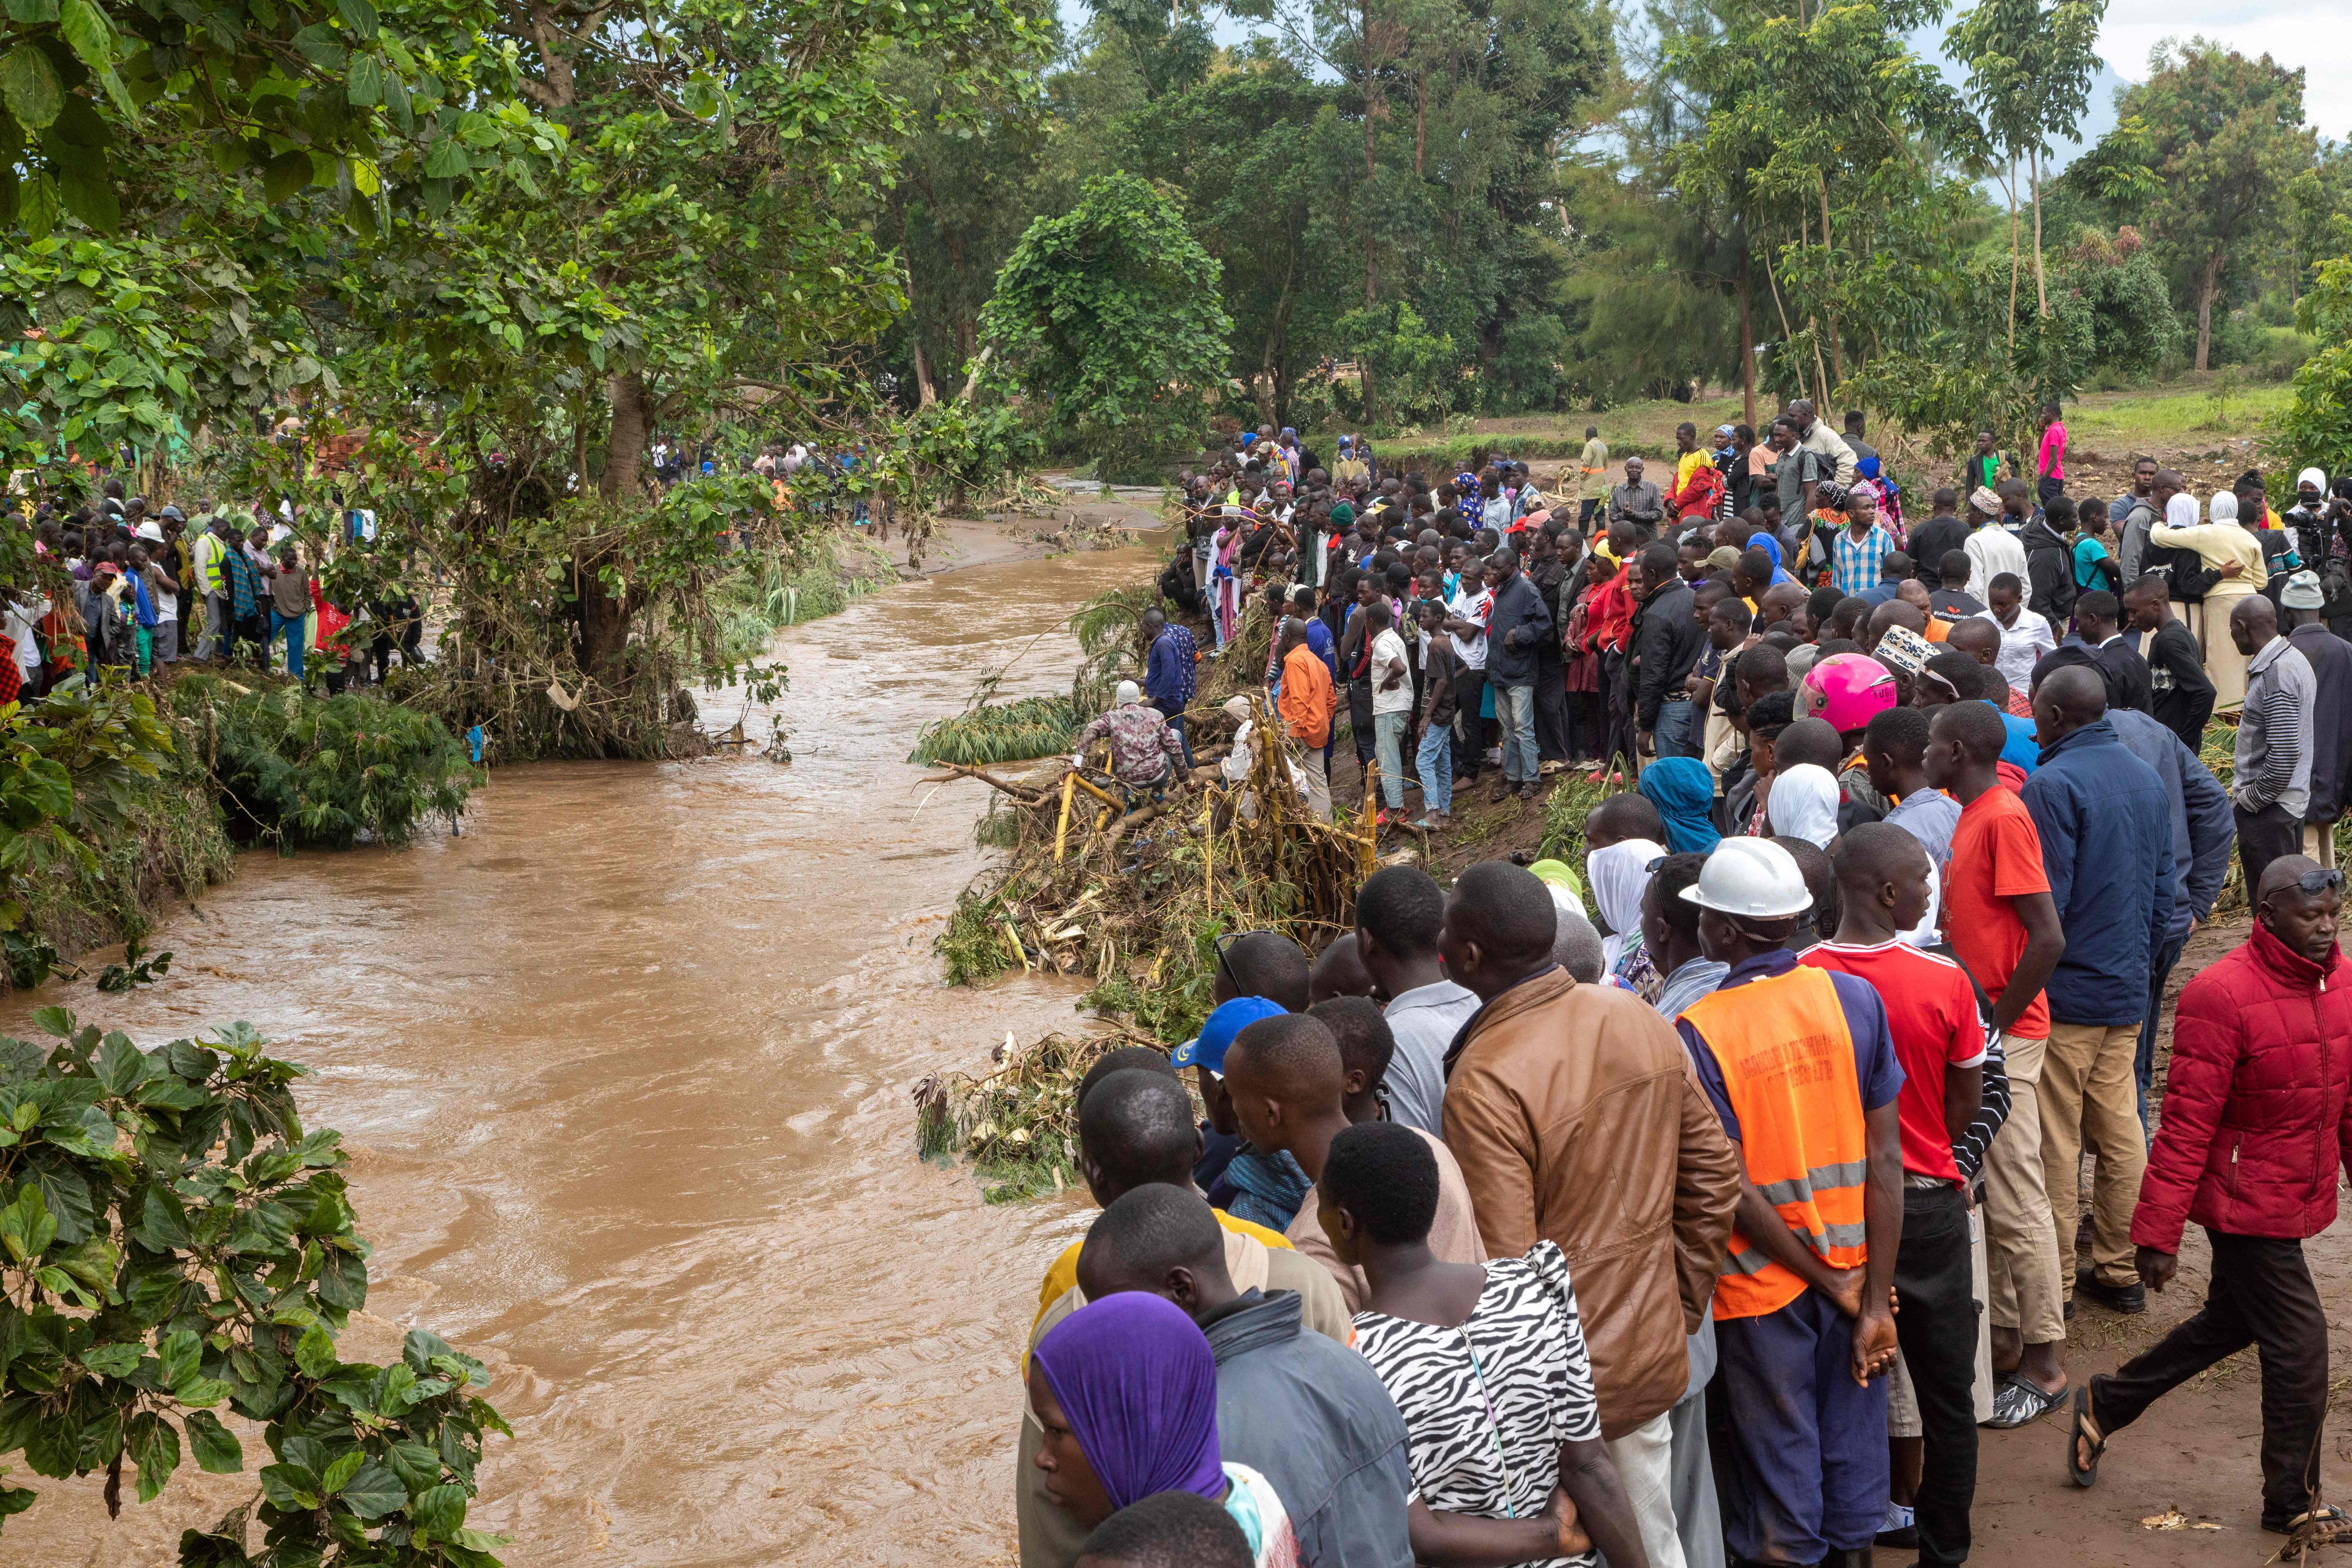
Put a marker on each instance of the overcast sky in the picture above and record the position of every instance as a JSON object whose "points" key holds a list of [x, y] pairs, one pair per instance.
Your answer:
{"points": [[2292, 32]]}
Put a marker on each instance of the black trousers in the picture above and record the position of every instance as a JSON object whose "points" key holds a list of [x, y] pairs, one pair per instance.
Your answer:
{"points": [[2184, 716], [2261, 1295], [2263, 837], [1359, 719], [1469, 729], [1938, 1329], [1551, 709]]}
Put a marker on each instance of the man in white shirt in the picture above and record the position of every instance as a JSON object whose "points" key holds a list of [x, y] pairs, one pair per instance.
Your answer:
{"points": [[2025, 634], [1465, 623], [1991, 549], [1391, 676]]}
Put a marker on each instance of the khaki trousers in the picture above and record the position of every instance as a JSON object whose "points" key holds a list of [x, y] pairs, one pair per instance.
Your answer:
{"points": [[2319, 843], [2090, 1100], [2021, 1244], [1318, 782], [1644, 1459]]}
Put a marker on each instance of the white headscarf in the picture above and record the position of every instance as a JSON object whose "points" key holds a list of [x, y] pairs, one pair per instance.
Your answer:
{"points": [[1804, 805], [1617, 877], [2181, 511], [2225, 506], [2316, 478]]}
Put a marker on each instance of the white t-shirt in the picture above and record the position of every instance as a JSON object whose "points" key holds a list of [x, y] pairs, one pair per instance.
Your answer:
{"points": [[1388, 659], [2021, 647], [1470, 653]]}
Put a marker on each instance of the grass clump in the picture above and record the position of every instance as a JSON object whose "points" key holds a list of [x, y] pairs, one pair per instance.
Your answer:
{"points": [[1018, 731], [1018, 1121]]}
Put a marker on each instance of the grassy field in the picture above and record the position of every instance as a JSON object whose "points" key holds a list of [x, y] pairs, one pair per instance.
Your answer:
{"points": [[2183, 423]]}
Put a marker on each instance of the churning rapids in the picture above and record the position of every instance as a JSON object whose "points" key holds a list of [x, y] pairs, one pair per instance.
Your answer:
{"points": [[626, 1071]]}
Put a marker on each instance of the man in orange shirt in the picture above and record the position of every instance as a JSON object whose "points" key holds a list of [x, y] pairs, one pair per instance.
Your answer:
{"points": [[2004, 927], [1307, 704]]}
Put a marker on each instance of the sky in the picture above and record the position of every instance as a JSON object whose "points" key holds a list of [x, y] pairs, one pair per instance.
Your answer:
{"points": [[2292, 32]]}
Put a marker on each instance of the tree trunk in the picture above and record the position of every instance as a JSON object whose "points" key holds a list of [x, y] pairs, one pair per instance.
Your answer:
{"points": [[2040, 282], [1829, 306], [924, 390], [1371, 170], [1747, 342], [2207, 287], [2011, 183], [604, 616], [624, 449]]}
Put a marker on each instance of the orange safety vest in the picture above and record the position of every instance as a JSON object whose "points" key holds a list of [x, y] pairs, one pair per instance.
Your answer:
{"points": [[1787, 1058]]}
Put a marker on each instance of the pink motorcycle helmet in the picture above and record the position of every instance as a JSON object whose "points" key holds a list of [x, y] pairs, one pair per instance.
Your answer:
{"points": [[1848, 690]]}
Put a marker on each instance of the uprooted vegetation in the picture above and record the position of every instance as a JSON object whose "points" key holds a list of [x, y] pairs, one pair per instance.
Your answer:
{"points": [[1018, 1121]]}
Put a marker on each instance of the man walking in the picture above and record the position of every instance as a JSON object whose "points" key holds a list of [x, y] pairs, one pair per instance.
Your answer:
{"points": [[1667, 642], [2257, 1124], [2105, 824], [1576, 1121]]}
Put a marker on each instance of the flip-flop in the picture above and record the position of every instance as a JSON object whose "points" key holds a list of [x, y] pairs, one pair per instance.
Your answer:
{"points": [[2084, 1431], [2327, 1522], [2017, 1401]]}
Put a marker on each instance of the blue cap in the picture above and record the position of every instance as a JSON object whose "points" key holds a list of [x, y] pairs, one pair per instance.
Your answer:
{"points": [[1248, 436], [1217, 1034], [1346, 441]]}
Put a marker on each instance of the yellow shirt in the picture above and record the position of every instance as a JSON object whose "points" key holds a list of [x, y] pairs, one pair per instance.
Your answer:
{"points": [[1689, 464], [1065, 1272]]}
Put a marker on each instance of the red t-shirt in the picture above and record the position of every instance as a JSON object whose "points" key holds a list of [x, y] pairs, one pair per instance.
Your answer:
{"points": [[1996, 856], [1931, 1011]]}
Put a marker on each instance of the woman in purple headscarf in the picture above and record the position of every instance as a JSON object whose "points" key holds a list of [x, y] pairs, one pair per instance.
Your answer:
{"points": [[1126, 1391]]}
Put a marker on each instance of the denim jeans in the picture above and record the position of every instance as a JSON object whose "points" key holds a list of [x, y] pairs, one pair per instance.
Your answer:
{"points": [[1388, 736], [1676, 736], [1435, 761], [291, 627], [1516, 707], [1176, 725]]}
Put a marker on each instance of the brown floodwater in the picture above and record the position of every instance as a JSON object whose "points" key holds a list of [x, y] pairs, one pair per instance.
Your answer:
{"points": [[626, 1069]]}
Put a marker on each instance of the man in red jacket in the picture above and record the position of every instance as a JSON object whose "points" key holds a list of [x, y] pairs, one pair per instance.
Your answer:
{"points": [[2257, 1120]]}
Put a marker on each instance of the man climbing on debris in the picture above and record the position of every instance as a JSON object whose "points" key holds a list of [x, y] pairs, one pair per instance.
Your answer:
{"points": [[1145, 754]]}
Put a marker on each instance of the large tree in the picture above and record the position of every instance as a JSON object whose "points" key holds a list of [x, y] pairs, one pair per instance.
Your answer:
{"points": [[2212, 140]]}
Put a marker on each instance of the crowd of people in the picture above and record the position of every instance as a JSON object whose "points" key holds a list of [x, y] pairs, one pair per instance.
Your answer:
{"points": [[152, 589], [1700, 1204]]}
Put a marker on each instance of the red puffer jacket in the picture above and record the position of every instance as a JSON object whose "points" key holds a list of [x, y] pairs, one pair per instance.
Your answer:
{"points": [[2258, 1114]]}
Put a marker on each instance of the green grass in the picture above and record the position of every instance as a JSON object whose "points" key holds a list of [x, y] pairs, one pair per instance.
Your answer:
{"points": [[2178, 418]]}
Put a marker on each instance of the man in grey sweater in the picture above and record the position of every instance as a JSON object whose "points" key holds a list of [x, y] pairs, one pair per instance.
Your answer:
{"points": [[2271, 773]]}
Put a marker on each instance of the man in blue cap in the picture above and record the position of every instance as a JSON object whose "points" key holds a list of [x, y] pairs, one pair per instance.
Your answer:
{"points": [[1265, 1188]]}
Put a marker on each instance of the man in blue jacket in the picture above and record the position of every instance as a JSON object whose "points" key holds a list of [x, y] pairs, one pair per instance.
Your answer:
{"points": [[1516, 624], [1169, 673], [2105, 821]]}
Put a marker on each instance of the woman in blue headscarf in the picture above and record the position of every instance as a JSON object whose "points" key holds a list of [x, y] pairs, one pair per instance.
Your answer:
{"points": [[1126, 1391], [1683, 792]]}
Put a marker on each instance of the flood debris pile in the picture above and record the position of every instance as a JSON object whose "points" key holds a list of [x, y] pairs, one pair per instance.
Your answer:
{"points": [[1018, 1121], [1135, 892]]}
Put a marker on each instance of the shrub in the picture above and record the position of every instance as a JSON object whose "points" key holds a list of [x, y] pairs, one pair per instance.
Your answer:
{"points": [[172, 1240], [320, 772]]}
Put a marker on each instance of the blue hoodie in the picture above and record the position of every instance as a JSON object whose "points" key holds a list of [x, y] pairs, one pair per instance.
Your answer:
{"points": [[2106, 822]]}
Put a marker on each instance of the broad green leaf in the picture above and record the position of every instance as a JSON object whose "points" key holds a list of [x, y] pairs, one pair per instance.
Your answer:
{"points": [[282, 1484], [365, 85], [439, 1511], [180, 1354], [118, 1063], [217, 1448], [285, 175], [27, 1226], [67, 1195], [91, 200], [373, 1492], [162, 1222], [360, 17], [156, 1446], [86, 27], [445, 160], [29, 85], [116, 1360], [342, 1470], [32, 12], [342, 1281], [314, 1354]]}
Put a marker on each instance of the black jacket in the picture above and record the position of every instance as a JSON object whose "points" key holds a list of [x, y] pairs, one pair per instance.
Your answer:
{"points": [[1667, 641], [2183, 692], [1931, 541], [2051, 565], [2128, 680], [1514, 626], [2331, 718]]}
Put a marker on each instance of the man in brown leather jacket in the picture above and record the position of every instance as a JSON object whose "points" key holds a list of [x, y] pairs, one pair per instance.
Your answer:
{"points": [[1573, 1113]]}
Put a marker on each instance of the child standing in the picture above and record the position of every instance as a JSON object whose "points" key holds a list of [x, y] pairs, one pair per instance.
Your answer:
{"points": [[1434, 759]]}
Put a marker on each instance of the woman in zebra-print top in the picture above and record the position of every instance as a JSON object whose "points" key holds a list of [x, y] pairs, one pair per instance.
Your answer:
{"points": [[1487, 1363]]}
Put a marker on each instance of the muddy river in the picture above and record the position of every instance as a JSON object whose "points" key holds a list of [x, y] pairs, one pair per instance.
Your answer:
{"points": [[626, 1070]]}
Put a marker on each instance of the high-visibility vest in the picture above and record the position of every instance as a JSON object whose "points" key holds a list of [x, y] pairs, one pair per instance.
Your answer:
{"points": [[1787, 1058]]}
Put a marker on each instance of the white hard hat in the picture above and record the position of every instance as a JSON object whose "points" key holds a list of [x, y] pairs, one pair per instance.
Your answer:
{"points": [[1751, 877]]}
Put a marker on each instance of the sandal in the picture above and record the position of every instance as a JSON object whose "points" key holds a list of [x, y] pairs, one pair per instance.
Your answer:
{"points": [[2019, 1401], [2086, 1430], [2323, 1524]]}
